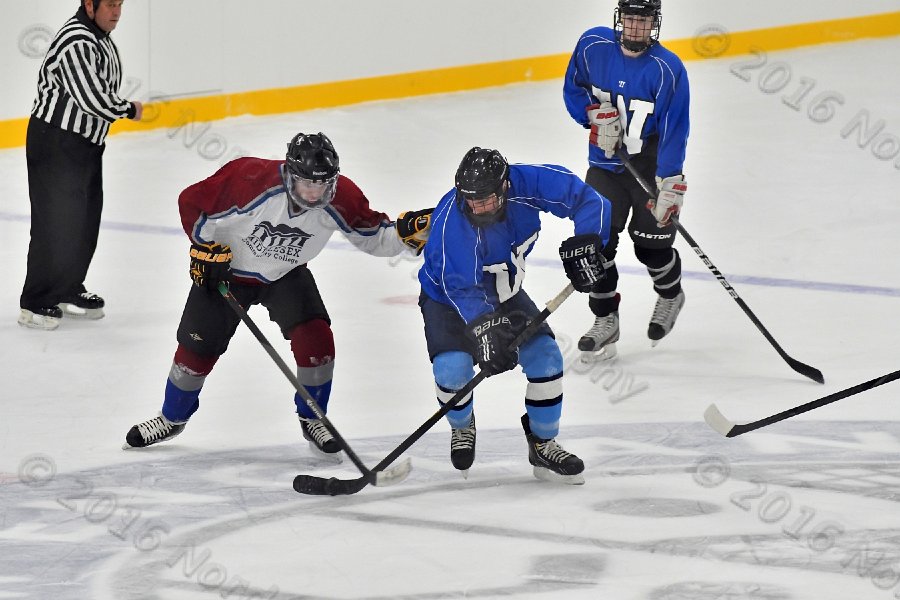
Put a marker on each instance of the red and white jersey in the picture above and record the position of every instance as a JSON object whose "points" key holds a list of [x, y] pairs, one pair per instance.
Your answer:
{"points": [[244, 204]]}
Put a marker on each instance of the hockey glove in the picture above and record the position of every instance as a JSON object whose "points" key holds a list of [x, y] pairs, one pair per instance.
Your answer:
{"points": [[493, 335], [668, 202], [606, 128], [582, 261], [210, 264], [413, 227]]}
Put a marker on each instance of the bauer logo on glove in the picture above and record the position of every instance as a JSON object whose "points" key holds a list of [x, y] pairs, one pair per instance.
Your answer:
{"points": [[413, 227], [580, 255], [210, 264]]}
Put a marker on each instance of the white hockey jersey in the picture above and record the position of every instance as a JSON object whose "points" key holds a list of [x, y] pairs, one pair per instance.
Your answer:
{"points": [[244, 205]]}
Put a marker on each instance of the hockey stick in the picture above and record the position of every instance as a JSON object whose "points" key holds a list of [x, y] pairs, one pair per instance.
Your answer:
{"points": [[310, 484], [383, 476], [804, 369], [717, 420]]}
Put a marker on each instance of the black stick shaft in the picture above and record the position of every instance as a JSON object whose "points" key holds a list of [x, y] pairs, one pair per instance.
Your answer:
{"points": [[798, 410], [310, 401], [796, 365]]}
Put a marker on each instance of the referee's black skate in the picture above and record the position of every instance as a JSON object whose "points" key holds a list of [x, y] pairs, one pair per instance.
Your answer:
{"points": [[321, 442], [83, 306], [664, 315], [550, 461], [462, 447], [153, 431]]}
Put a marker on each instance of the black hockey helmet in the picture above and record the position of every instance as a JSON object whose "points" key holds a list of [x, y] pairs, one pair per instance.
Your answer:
{"points": [[481, 174], [647, 8], [311, 170]]}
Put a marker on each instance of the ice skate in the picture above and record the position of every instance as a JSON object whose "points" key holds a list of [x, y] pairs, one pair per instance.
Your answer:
{"points": [[550, 461], [462, 447], [599, 343], [153, 431], [41, 318], [83, 306], [664, 315], [321, 442]]}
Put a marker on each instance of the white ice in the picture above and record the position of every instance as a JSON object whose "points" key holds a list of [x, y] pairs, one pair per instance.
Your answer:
{"points": [[799, 218]]}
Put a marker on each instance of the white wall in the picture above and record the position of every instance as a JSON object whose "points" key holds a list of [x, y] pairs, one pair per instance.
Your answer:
{"points": [[175, 48]]}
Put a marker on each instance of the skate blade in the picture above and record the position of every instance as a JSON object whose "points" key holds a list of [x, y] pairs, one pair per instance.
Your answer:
{"points": [[607, 352], [76, 312], [545, 474], [334, 457], [32, 321]]}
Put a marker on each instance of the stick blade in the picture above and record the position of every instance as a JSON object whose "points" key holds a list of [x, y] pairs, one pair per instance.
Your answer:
{"points": [[311, 485], [715, 419], [393, 475], [807, 371]]}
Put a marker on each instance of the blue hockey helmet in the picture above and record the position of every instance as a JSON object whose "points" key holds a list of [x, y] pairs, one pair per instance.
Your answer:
{"points": [[481, 186], [641, 40]]}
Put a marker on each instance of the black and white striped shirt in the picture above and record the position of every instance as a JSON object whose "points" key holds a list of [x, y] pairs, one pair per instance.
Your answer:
{"points": [[79, 81]]}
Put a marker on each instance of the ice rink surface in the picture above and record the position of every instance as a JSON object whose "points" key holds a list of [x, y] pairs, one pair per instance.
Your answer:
{"points": [[800, 219]]}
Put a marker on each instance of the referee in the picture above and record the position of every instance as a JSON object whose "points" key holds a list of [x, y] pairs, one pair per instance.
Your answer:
{"points": [[77, 101]]}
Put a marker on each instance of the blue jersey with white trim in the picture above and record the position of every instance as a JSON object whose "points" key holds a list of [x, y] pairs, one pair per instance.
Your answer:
{"points": [[651, 92], [474, 269]]}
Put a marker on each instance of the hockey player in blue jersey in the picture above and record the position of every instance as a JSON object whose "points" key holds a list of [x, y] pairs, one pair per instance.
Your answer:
{"points": [[472, 299], [630, 91]]}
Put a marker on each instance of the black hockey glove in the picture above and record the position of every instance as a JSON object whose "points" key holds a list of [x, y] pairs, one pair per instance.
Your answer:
{"points": [[493, 334], [210, 264], [582, 261], [413, 226]]}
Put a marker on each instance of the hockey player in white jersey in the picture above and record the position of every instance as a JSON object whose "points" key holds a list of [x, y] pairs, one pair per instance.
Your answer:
{"points": [[256, 224], [632, 94]]}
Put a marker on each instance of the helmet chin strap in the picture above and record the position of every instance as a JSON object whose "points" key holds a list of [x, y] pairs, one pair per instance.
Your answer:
{"points": [[634, 45]]}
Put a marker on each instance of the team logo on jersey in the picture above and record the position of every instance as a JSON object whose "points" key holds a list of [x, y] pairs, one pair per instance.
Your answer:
{"points": [[277, 241]]}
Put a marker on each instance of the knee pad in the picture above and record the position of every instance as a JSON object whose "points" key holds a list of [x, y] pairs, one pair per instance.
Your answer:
{"points": [[191, 363], [312, 343], [655, 258], [453, 370], [540, 357]]}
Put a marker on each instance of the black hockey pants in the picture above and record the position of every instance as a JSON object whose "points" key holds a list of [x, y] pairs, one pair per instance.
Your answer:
{"points": [[65, 184]]}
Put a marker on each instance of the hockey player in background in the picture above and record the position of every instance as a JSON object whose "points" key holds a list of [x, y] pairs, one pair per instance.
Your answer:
{"points": [[255, 224], [473, 303], [630, 91]]}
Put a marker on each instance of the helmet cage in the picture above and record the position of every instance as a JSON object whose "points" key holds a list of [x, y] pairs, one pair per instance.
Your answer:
{"points": [[647, 8], [481, 175], [311, 170]]}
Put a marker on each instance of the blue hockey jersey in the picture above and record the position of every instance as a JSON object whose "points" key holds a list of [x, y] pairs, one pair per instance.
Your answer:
{"points": [[651, 92], [474, 269]]}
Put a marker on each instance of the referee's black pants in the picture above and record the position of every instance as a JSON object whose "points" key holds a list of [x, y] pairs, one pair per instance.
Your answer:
{"points": [[65, 184]]}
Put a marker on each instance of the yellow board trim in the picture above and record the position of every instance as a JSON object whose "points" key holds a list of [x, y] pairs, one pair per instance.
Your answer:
{"points": [[709, 43]]}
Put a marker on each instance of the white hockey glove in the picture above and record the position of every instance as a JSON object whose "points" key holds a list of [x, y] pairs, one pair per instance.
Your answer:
{"points": [[668, 202], [606, 128]]}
